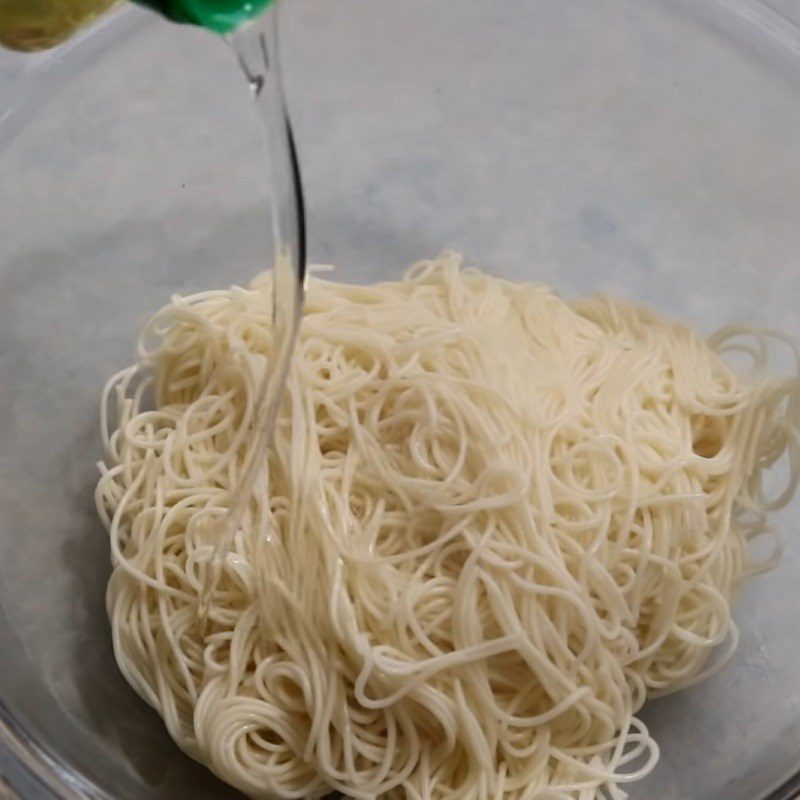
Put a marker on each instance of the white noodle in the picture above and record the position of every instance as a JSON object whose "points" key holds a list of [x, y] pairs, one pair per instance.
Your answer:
{"points": [[492, 523]]}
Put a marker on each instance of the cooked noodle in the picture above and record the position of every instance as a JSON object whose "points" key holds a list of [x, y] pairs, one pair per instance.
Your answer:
{"points": [[493, 522]]}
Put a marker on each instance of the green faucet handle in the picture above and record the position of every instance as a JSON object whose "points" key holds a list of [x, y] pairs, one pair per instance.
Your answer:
{"points": [[220, 16]]}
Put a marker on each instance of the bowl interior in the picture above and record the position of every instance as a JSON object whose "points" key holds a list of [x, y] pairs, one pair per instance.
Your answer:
{"points": [[648, 148]]}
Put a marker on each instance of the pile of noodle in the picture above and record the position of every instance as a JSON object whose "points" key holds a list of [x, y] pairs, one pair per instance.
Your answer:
{"points": [[491, 524]]}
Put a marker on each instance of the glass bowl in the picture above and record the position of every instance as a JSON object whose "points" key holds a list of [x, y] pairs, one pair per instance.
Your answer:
{"points": [[649, 148]]}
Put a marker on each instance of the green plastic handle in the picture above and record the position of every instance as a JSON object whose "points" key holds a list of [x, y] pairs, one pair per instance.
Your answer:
{"points": [[220, 16]]}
